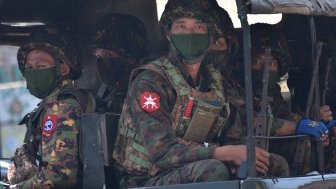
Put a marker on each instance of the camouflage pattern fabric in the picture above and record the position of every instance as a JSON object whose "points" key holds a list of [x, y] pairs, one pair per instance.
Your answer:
{"points": [[117, 94], [25, 164], [57, 43], [114, 95], [127, 35], [58, 130], [267, 36], [173, 157], [287, 150], [330, 156], [168, 151], [237, 131], [123, 33], [209, 170], [198, 9], [224, 27], [278, 166]]}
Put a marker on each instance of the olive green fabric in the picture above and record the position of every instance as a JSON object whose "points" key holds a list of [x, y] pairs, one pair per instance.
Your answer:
{"points": [[40, 82], [190, 45]]}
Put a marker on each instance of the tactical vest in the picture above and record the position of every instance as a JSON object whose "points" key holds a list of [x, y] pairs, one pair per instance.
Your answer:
{"points": [[204, 123], [33, 120]]}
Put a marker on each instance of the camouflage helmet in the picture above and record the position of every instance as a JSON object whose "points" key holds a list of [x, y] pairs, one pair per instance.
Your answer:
{"points": [[58, 43], [268, 36], [123, 33], [198, 9], [224, 27]]}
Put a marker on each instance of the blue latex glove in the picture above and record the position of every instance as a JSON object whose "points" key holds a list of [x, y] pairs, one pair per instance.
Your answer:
{"points": [[331, 124], [311, 128]]}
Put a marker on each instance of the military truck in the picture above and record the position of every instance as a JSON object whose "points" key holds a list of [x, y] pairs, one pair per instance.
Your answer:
{"points": [[19, 18]]}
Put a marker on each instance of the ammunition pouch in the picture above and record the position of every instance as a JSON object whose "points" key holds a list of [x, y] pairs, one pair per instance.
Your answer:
{"points": [[97, 137], [206, 118]]}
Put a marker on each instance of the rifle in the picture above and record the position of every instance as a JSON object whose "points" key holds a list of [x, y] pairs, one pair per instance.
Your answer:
{"points": [[325, 83], [314, 92], [265, 114]]}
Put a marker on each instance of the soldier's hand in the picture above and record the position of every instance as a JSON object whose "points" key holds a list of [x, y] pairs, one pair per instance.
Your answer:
{"points": [[311, 128], [238, 154], [326, 113], [325, 140], [10, 172], [262, 160]]}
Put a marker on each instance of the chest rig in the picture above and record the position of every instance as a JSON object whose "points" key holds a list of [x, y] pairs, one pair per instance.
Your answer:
{"points": [[197, 116], [203, 124]]}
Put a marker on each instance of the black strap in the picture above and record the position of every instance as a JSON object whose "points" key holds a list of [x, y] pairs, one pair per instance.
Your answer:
{"points": [[31, 121]]}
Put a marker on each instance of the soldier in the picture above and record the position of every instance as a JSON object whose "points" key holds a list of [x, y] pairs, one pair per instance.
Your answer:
{"points": [[283, 122], [48, 61], [225, 44], [120, 41], [175, 107]]}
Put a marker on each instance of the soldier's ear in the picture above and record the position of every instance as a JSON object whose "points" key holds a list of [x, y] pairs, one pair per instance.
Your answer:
{"points": [[65, 69]]}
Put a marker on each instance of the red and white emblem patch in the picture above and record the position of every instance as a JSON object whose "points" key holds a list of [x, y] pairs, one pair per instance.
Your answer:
{"points": [[49, 124], [149, 102]]}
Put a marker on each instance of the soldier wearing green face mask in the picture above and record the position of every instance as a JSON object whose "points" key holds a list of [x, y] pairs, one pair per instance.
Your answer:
{"points": [[175, 108], [48, 60]]}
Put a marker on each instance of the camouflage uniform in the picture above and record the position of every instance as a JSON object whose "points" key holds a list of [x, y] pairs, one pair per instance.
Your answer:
{"points": [[155, 145], [266, 36], [55, 124], [128, 36]]}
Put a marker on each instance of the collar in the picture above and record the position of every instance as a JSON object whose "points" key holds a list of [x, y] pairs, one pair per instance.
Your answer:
{"points": [[204, 80]]}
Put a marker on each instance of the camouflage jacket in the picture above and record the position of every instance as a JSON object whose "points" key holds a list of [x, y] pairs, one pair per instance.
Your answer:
{"points": [[113, 97], [110, 97], [236, 97], [154, 131], [57, 136]]}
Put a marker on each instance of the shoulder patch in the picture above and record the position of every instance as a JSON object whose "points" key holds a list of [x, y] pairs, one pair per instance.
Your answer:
{"points": [[49, 124], [149, 102]]}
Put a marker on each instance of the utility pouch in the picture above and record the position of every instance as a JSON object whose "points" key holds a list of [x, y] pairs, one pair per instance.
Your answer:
{"points": [[202, 121]]}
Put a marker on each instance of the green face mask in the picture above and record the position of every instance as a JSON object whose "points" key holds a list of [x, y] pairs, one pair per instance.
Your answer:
{"points": [[190, 46], [257, 76], [40, 82]]}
